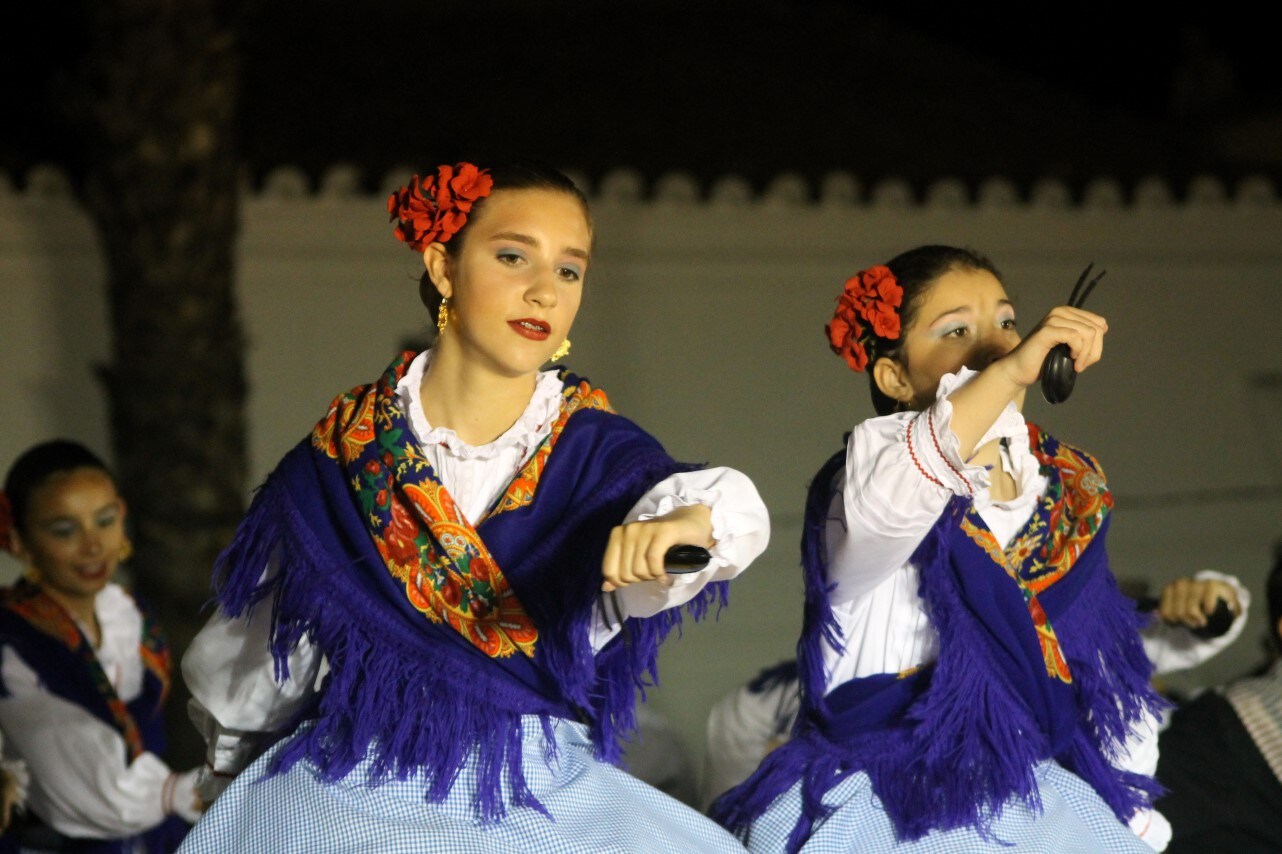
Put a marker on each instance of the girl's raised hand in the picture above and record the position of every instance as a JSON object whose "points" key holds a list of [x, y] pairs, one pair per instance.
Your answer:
{"points": [[1083, 331], [636, 550]]}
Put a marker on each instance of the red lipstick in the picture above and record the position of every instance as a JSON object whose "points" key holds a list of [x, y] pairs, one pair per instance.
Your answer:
{"points": [[529, 327]]}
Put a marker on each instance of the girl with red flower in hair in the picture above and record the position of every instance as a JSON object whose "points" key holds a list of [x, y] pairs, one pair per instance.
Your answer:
{"points": [[971, 677], [435, 619]]}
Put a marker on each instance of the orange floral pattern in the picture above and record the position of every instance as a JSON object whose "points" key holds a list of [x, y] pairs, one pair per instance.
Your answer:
{"points": [[1052, 655], [425, 541], [1066, 519], [521, 491], [1074, 507]]}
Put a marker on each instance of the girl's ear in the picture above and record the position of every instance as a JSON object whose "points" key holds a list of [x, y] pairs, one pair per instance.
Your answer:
{"points": [[438, 266], [892, 378], [16, 547]]}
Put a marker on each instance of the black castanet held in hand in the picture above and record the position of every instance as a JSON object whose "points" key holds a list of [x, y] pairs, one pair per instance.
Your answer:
{"points": [[1218, 621], [677, 560], [1058, 373], [683, 559]]}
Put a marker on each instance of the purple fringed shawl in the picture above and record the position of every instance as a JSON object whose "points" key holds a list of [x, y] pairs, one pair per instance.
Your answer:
{"points": [[946, 745], [414, 694]]}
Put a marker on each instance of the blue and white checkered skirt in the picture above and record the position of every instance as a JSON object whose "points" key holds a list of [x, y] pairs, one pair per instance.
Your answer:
{"points": [[1073, 820], [595, 807]]}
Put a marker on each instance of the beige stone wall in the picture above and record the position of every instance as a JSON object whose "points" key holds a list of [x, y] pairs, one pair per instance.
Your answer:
{"points": [[703, 319]]}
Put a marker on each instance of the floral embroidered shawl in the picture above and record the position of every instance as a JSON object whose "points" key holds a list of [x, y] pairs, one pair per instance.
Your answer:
{"points": [[440, 635], [1040, 658]]}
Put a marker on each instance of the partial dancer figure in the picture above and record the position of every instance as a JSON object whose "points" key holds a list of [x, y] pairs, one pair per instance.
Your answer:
{"points": [[84, 668], [440, 608], [972, 678], [1221, 757]]}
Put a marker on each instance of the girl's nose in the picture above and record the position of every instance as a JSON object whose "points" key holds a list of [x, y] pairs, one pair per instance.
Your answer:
{"points": [[988, 352], [542, 289]]}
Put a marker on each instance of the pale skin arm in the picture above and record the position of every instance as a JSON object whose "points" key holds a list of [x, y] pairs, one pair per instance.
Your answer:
{"points": [[977, 404], [635, 551]]}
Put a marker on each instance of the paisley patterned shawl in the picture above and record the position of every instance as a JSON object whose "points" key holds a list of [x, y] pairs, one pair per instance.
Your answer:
{"points": [[426, 542], [1039, 658], [49, 641], [376, 565]]}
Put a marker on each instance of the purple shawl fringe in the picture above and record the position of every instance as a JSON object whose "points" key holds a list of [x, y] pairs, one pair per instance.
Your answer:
{"points": [[398, 694], [969, 742]]}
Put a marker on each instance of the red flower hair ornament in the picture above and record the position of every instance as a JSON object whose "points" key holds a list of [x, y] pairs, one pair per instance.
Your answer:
{"points": [[866, 311], [6, 523], [433, 209]]}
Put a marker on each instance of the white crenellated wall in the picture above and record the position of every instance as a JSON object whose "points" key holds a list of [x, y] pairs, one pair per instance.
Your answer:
{"points": [[703, 319]]}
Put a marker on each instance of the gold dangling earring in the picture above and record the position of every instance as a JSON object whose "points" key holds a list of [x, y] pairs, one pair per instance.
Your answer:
{"points": [[126, 550], [443, 316], [562, 351]]}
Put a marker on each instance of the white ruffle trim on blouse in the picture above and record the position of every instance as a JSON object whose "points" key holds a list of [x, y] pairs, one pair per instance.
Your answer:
{"points": [[525, 433]]}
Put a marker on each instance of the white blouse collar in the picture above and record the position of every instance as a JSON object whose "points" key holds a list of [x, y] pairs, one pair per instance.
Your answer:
{"points": [[526, 432]]}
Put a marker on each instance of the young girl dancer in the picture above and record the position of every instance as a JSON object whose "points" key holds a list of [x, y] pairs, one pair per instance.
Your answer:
{"points": [[464, 583], [83, 670], [971, 677]]}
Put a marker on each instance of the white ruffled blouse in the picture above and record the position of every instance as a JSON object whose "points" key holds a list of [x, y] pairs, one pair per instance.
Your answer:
{"points": [[80, 781], [229, 669]]}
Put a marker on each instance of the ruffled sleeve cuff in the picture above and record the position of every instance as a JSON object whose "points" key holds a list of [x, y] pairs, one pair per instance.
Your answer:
{"points": [[740, 523], [935, 448], [740, 529]]}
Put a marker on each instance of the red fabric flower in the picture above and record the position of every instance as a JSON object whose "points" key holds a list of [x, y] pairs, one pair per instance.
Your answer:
{"points": [[434, 209], [866, 310], [844, 333], [6, 523]]}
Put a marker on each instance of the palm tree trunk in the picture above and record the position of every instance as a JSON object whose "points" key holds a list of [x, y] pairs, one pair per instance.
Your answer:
{"points": [[162, 187]]}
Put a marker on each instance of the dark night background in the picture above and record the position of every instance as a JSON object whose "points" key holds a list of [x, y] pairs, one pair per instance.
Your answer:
{"points": [[749, 88]]}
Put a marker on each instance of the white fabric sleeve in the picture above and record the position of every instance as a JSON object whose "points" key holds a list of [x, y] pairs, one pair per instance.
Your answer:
{"points": [[901, 470], [80, 781], [1173, 648], [740, 529], [742, 728], [1139, 754], [237, 704]]}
